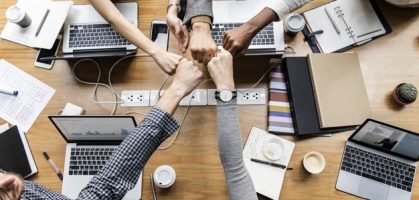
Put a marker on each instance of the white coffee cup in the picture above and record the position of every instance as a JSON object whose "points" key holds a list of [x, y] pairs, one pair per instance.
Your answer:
{"points": [[294, 24], [314, 162], [164, 176], [18, 16]]}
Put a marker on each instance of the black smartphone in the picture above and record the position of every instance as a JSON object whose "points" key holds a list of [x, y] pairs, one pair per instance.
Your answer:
{"points": [[47, 64], [160, 33]]}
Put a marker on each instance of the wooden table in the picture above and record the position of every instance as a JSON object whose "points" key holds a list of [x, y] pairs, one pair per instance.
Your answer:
{"points": [[385, 63]]}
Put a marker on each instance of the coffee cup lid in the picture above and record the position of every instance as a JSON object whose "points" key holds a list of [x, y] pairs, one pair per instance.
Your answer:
{"points": [[295, 22], [164, 176], [14, 14]]}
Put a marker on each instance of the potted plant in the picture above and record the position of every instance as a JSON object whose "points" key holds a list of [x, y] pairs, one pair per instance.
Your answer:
{"points": [[405, 93]]}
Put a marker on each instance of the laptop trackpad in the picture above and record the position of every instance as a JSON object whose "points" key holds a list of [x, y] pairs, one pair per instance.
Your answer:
{"points": [[372, 190]]}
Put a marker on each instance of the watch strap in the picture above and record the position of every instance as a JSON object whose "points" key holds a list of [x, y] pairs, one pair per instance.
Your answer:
{"points": [[202, 19]]}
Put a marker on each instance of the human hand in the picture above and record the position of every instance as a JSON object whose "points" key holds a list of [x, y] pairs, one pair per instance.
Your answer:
{"points": [[167, 61], [11, 186], [202, 46], [221, 70], [237, 40], [179, 31], [186, 78]]}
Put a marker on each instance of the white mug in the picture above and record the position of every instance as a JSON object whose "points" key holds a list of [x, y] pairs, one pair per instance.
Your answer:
{"points": [[18, 16], [164, 176], [314, 162]]}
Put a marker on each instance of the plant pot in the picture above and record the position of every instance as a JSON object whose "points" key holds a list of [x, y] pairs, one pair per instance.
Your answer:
{"points": [[405, 93]]}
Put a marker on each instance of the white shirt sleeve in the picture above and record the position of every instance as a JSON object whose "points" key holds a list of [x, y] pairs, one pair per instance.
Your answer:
{"points": [[279, 7], [283, 7]]}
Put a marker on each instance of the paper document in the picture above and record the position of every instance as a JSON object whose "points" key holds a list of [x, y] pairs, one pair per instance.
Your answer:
{"points": [[267, 147], [34, 95], [58, 11]]}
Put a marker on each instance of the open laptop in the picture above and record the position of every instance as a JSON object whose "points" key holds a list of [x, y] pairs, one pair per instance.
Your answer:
{"points": [[91, 141], [379, 162], [232, 14], [88, 35]]}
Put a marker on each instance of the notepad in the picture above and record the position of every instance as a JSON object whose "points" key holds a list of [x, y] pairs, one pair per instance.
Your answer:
{"points": [[345, 23], [339, 89], [15, 153], [266, 179], [36, 10]]}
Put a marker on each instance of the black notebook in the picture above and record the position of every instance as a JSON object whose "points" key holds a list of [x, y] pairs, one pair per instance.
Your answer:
{"points": [[301, 98], [15, 154], [342, 24]]}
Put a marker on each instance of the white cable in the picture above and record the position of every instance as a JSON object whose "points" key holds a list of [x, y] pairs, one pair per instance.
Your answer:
{"points": [[273, 65], [109, 87], [94, 93]]}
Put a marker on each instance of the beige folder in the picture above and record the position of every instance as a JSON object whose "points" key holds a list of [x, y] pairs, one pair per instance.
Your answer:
{"points": [[339, 89]]}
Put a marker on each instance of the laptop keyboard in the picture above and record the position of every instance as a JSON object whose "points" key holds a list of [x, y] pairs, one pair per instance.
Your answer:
{"points": [[264, 37], [378, 168], [95, 35], [88, 161]]}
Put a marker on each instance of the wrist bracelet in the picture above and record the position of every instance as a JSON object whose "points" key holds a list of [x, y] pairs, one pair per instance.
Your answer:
{"points": [[174, 4]]}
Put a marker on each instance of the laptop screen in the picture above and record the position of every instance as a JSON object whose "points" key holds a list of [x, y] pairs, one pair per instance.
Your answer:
{"points": [[388, 138], [94, 128]]}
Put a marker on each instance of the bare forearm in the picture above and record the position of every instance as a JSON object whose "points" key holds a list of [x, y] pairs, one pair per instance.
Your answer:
{"points": [[262, 19], [111, 14], [170, 100]]}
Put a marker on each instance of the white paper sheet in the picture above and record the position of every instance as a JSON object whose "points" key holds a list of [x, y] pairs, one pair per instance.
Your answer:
{"points": [[50, 29], [33, 96], [266, 179]]}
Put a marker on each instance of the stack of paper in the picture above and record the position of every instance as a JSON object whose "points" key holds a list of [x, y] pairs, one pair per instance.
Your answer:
{"points": [[34, 95]]}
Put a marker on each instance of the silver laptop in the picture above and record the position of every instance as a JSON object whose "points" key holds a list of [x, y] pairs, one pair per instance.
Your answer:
{"points": [[379, 162], [91, 141], [85, 31], [232, 14]]}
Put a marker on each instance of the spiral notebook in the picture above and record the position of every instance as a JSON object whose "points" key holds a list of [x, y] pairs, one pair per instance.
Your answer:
{"points": [[343, 24]]}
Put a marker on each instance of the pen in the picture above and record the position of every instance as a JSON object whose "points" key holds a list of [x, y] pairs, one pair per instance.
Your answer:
{"points": [[153, 187], [332, 20], [42, 23], [268, 163], [9, 91], [51, 163]]}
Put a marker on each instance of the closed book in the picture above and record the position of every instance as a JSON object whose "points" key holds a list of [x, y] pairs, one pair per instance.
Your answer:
{"points": [[15, 154], [301, 98], [339, 89]]}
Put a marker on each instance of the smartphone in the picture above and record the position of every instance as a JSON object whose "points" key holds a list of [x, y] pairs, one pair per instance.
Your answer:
{"points": [[47, 64], [160, 33]]}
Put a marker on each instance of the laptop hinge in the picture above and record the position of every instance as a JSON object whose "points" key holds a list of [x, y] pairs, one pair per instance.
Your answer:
{"points": [[99, 143], [99, 50]]}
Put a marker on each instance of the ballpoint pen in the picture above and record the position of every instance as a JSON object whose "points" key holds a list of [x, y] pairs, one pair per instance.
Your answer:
{"points": [[8, 91], [42, 23], [268, 163], [153, 188], [53, 166]]}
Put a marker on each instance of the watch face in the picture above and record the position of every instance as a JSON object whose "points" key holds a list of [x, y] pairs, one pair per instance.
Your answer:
{"points": [[226, 95]]}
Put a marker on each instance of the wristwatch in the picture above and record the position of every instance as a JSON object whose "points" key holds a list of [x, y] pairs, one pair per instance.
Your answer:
{"points": [[225, 95]]}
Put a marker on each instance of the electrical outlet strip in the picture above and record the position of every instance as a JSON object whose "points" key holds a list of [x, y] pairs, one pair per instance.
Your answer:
{"points": [[199, 98], [211, 97], [135, 98], [254, 96]]}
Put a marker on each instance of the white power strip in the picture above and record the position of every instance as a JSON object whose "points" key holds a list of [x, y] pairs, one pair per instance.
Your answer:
{"points": [[200, 97]]}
